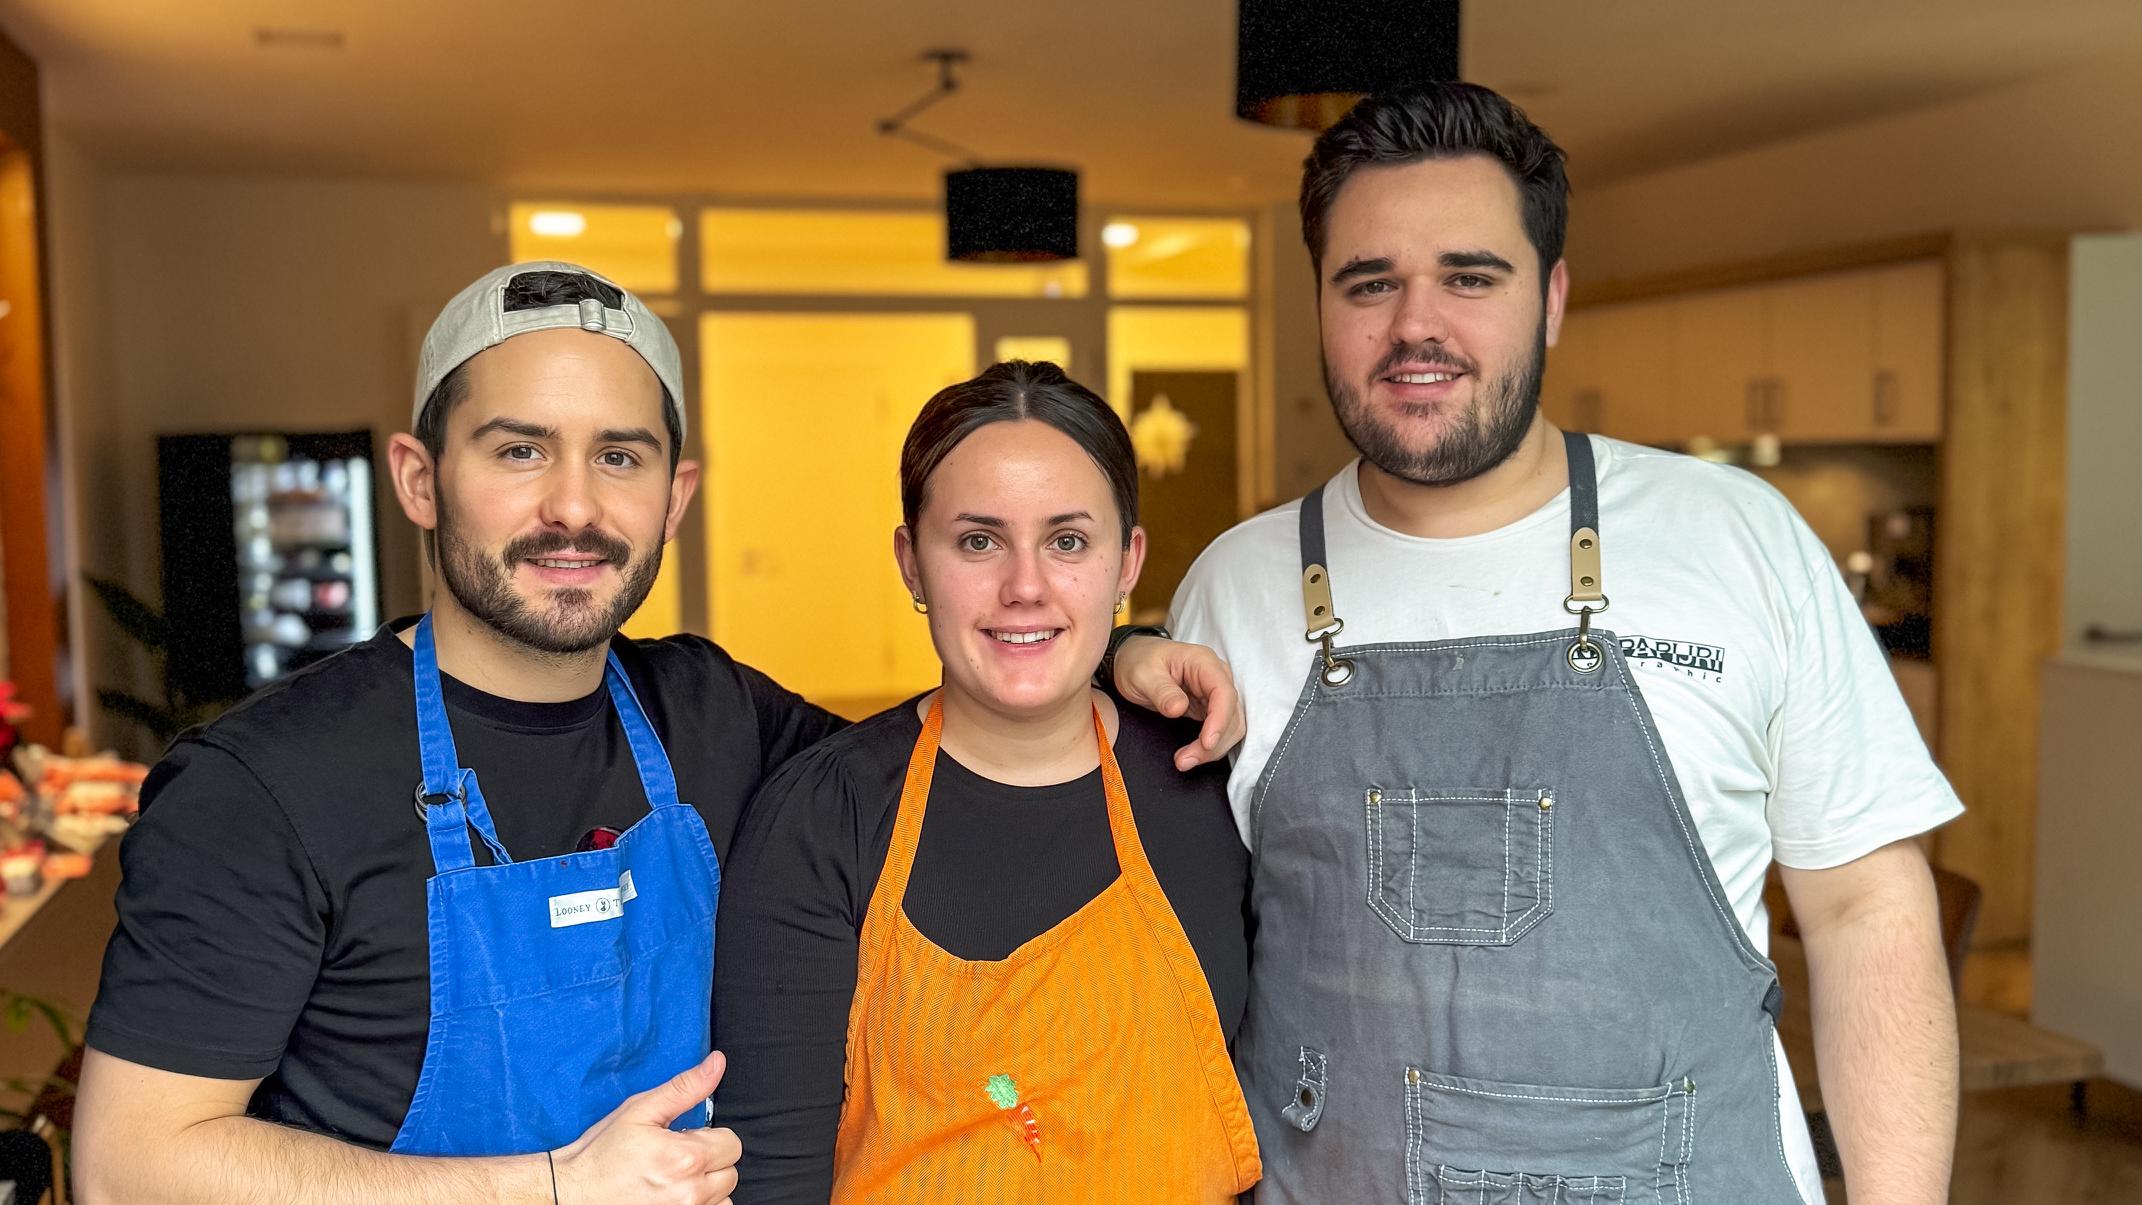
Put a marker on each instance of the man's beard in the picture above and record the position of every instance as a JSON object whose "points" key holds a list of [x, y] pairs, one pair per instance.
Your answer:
{"points": [[483, 585], [1487, 434]]}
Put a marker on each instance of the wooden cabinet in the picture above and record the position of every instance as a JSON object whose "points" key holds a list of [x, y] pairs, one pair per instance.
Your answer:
{"points": [[1909, 333], [1568, 394], [1719, 353], [1832, 358], [1611, 373], [1633, 371], [1819, 359]]}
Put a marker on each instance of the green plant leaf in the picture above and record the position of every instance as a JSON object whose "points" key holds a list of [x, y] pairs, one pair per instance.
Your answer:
{"points": [[134, 617]]}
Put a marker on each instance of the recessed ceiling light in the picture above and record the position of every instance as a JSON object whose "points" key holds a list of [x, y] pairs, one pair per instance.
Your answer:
{"points": [[1119, 234], [299, 39], [557, 223]]}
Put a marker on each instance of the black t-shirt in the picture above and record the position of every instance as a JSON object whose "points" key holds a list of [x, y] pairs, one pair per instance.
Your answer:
{"points": [[272, 910], [997, 865]]}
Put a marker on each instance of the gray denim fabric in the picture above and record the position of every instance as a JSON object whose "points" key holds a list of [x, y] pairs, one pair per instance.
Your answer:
{"points": [[1493, 964]]}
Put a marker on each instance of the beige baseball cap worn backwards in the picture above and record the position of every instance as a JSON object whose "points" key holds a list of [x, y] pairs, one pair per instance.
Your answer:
{"points": [[538, 296]]}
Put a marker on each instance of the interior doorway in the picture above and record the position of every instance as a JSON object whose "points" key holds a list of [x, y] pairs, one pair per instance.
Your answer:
{"points": [[804, 414]]}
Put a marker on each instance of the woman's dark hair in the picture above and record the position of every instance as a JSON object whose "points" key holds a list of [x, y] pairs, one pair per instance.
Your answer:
{"points": [[1013, 391], [1441, 121]]}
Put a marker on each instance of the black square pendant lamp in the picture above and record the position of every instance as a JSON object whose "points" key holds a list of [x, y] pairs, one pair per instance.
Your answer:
{"points": [[1303, 63], [1011, 215]]}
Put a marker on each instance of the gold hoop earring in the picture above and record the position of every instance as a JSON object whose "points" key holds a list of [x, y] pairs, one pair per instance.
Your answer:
{"points": [[1122, 603], [921, 607]]}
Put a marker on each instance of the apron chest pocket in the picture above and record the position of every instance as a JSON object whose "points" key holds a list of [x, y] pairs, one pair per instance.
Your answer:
{"points": [[1478, 1142], [1465, 866]]}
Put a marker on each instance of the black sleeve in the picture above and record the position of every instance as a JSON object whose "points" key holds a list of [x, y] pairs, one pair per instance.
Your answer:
{"points": [[788, 722], [1188, 829], [784, 977], [222, 922]]}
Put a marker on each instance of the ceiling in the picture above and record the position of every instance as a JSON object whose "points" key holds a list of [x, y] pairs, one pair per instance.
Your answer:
{"points": [[735, 98]]}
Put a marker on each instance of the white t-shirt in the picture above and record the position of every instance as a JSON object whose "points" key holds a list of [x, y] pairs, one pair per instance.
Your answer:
{"points": [[1775, 703]]}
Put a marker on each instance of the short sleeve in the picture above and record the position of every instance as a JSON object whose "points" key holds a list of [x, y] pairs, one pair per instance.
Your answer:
{"points": [[1853, 773], [222, 923], [792, 901]]}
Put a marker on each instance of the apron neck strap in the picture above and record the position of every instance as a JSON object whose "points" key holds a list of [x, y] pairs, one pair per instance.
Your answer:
{"points": [[449, 799], [656, 777], [1587, 583], [887, 897], [1587, 586]]}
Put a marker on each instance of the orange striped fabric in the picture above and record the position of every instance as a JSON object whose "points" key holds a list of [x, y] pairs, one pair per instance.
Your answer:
{"points": [[1088, 1066]]}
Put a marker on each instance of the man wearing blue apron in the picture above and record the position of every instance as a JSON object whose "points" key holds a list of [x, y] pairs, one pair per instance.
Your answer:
{"points": [[1561, 701], [433, 919]]}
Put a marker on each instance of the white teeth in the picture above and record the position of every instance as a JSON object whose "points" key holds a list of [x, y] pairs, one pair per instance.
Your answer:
{"points": [[1423, 378], [556, 564], [1026, 637]]}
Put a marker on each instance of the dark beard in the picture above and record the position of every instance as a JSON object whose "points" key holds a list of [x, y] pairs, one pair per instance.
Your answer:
{"points": [[483, 585], [1483, 437]]}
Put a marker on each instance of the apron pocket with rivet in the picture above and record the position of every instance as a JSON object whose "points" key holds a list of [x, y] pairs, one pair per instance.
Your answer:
{"points": [[1481, 1142], [1463, 866]]}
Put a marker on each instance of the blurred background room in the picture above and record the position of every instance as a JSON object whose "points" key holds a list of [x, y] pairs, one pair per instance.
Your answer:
{"points": [[1887, 256]]}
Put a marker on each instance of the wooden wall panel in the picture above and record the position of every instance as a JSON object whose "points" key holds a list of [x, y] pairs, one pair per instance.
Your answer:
{"points": [[32, 613], [1999, 559]]}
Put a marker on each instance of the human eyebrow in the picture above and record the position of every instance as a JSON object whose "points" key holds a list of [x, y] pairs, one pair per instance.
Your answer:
{"points": [[629, 435], [1060, 520], [1475, 259], [1358, 267], [514, 426], [979, 520]]}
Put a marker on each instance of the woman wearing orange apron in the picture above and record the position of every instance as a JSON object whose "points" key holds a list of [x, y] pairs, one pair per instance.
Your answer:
{"points": [[988, 945]]}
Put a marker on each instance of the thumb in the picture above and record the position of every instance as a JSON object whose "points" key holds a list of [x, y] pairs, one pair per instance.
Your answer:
{"points": [[682, 1092], [1171, 700]]}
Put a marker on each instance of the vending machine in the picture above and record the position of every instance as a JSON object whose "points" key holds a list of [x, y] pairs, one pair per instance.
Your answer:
{"points": [[270, 561]]}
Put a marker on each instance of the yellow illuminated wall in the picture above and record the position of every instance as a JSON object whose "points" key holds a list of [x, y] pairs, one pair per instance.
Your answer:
{"points": [[1035, 348], [1176, 336], [804, 415], [663, 612], [1177, 257], [634, 245], [858, 253]]}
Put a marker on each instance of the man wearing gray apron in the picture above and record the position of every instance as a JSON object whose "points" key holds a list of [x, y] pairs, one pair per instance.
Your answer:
{"points": [[1561, 701]]}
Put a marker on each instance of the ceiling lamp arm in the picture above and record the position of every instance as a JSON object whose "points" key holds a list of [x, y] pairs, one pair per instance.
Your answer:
{"points": [[947, 83]]}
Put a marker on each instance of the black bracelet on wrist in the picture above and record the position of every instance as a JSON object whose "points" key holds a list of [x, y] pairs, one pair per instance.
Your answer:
{"points": [[1105, 676]]}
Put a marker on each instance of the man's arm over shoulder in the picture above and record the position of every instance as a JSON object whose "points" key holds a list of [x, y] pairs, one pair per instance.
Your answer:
{"points": [[787, 722]]}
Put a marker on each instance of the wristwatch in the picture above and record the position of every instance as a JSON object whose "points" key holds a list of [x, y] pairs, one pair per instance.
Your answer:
{"points": [[1105, 676]]}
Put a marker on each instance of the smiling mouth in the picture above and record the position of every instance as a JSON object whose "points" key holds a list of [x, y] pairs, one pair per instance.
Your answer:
{"points": [[1040, 637], [551, 562], [1421, 378]]}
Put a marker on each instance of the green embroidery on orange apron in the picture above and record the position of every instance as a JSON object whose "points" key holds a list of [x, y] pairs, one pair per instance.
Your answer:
{"points": [[1005, 1095]]}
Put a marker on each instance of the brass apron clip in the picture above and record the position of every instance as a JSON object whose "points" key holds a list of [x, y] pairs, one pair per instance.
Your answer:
{"points": [[1323, 623], [1587, 598]]}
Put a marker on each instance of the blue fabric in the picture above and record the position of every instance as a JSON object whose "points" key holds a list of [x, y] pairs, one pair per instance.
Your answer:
{"points": [[540, 1028]]}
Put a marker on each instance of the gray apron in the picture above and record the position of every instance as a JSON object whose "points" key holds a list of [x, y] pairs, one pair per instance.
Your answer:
{"points": [[1493, 963]]}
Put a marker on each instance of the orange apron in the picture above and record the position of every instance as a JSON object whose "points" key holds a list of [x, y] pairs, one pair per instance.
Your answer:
{"points": [[1088, 1066]]}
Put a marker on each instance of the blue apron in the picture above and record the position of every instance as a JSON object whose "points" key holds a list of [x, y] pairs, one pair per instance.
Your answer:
{"points": [[562, 986]]}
